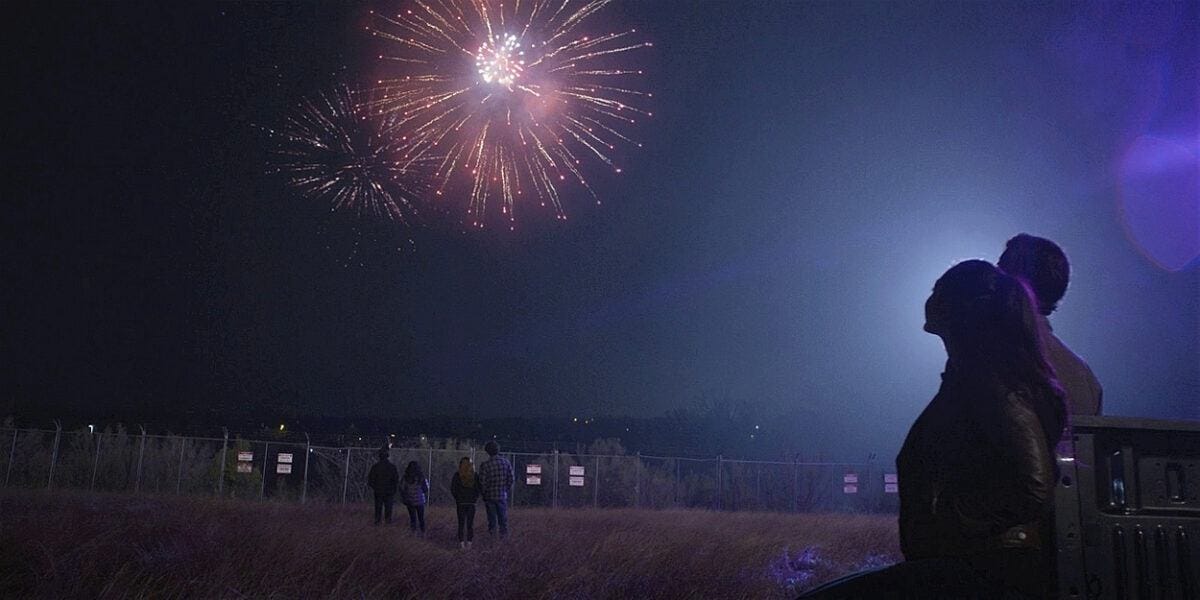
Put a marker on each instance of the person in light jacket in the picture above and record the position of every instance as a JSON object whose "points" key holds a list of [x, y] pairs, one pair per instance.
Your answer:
{"points": [[1043, 266], [414, 492]]}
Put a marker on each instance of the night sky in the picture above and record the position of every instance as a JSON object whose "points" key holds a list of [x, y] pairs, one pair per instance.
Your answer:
{"points": [[810, 170]]}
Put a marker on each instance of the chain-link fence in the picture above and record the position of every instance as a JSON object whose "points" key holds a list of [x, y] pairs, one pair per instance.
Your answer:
{"points": [[294, 471]]}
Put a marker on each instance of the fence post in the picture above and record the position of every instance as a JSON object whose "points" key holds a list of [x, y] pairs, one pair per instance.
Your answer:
{"points": [[12, 455], [795, 486], [512, 491], [224, 450], [758, 485], [179, 473], [307, 455], [262, 488], [637, 480], [719, 499], [596, 485], [429, 472], [675, 486], [96, 462], [54, 452], [346, 476], [555, 494], [137, 482]]}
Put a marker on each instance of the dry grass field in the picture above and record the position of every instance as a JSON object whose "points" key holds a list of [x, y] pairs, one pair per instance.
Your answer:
{"points": [[74, 545]]}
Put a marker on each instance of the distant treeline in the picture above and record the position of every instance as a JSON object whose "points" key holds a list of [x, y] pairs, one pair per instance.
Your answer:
{"points": [[732, 429]]}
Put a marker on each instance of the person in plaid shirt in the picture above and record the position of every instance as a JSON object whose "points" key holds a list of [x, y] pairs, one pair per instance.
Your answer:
{"points": [[496, 475]]}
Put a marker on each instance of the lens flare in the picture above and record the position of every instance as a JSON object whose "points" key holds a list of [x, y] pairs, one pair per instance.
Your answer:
{"points": [[518, 98]]}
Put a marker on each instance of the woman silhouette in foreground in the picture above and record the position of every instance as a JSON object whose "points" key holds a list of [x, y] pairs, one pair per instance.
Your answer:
{"points": [[976, 471]]}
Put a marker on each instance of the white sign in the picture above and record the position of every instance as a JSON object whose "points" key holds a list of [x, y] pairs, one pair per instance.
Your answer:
{"points": [[850, 478], [245, 467], [890, 478], [533, 480], [576, 471], [891, 488], [285, 457], [283, 468], [245, 456], [850, 489], [533, 469], [575, 481]]}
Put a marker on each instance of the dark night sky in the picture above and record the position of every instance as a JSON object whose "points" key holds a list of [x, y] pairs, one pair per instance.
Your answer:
{"points": [[810, 170]]}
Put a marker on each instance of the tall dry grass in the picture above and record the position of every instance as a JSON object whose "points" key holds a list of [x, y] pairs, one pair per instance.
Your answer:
{"points": [[74, 545]]}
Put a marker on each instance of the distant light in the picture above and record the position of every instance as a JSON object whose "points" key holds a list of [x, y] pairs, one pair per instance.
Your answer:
{"points": [[281, 426], [756, 426], [91, 428], [575, 419]]}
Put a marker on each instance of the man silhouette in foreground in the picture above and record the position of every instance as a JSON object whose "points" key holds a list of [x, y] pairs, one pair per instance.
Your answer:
{"points": [[1043, 266]]}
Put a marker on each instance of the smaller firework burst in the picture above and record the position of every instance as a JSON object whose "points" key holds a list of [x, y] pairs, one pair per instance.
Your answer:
{"points": [[331, 151]]}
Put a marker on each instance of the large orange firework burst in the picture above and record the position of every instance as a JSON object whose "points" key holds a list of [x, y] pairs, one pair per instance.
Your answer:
{"points": [[522, 96]]}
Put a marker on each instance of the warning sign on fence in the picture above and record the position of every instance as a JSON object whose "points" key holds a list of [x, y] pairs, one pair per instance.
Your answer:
{"points": [[285, 457], [533, 480], [850, 478], [890, 478], [575, 481], [576, 471], [245, 456], [891, 488], [283, 468], [245, 467], [850, 489], [533, 469]]}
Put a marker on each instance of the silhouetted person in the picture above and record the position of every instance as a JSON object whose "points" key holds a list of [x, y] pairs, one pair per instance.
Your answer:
{"points": [[382, 479], [496, 475], [1043, 266], [414, 491], [465, 486], [976, 473]]}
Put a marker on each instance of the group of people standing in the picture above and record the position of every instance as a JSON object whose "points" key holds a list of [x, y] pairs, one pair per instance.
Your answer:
{"points": [[977, 470], [492, 483]]}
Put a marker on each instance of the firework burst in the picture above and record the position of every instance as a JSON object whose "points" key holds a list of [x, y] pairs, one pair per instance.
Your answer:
{"points": [[331, 150], [518, 96]]}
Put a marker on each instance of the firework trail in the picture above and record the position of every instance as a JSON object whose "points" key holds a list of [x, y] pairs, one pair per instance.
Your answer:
{"points": [[517, 94], [331, 150]]}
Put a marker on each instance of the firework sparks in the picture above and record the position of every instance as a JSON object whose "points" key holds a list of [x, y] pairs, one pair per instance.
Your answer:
{"points": [[331, 150], [516, 95]]}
